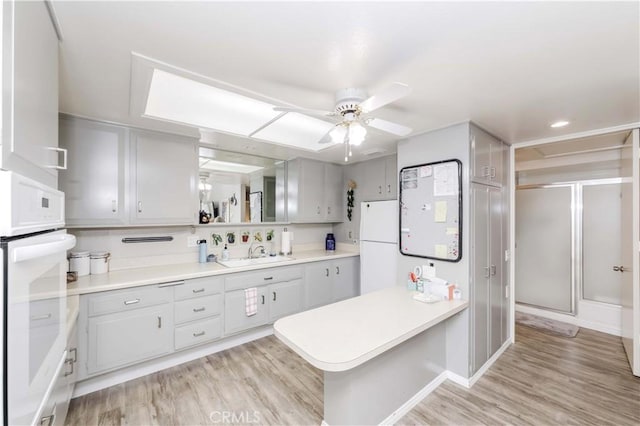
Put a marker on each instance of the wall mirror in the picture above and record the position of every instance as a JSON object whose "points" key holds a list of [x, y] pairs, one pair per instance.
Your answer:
{"points": [[240, 188]]}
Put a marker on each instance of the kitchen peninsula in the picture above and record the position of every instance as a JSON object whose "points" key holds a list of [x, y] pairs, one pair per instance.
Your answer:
{"points": [[377, 352]]}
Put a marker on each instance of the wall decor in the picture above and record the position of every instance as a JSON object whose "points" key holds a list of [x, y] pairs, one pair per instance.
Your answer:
{"points": [[350, 198]]}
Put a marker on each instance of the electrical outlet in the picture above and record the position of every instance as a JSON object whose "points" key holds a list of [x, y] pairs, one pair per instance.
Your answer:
{"points": [[193, 241]]}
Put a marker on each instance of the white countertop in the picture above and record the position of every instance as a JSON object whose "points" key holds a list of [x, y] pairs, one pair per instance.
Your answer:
{"points": [[343, 335], [126, 278]]}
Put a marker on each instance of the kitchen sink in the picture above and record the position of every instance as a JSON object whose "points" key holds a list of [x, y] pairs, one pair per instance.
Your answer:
{"points": [[234, 263]]}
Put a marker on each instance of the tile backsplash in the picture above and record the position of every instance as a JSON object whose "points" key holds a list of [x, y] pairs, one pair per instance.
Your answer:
{"points": [[134, 255]]}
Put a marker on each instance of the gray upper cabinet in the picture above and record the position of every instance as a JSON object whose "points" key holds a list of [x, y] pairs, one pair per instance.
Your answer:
{"points": [[119, 176], [94, 182], [30, 92], [163, 179], [377, 179], [315, 191], [487, 162]]}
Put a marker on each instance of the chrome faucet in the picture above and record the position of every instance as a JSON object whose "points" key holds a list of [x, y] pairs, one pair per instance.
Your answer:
{"points": [[252, 250]]}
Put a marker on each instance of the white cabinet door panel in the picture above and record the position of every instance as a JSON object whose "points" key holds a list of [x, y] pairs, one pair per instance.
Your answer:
{"points": [[284, 299]]}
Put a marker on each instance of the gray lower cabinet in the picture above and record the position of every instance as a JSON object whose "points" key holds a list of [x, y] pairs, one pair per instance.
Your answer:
{"points": [[123, 338], [489, 310], [284, 299], [331, 281], [235, 317]]}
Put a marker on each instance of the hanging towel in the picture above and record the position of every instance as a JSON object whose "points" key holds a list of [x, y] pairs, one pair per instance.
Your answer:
{"points": [[251, 301]]}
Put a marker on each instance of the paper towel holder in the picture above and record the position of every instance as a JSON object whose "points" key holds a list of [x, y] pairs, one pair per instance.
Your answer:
{"points": [[286, 248]]}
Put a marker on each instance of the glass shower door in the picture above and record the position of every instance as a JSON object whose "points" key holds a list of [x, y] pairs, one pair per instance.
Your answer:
{"points": [[545, 247]]}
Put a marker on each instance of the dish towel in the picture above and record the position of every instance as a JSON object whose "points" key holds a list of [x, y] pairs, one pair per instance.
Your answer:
{"points": [[251, 301]]}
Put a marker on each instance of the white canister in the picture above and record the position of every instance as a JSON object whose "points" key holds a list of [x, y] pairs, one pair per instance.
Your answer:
{"points": [[100, 262], [79, 262]]}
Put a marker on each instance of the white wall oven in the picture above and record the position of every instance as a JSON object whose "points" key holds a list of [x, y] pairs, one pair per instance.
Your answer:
{"points": [[34, 266]]}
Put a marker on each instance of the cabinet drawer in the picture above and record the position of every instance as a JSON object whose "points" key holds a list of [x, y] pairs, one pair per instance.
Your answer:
{"points": [[267, 276], [198, 332], [129, 299], [195, 309], [199, 287]]}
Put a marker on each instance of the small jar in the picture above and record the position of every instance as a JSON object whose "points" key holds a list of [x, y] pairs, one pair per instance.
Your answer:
{"points": [[79, 262], [330, 243], [100, 262]]}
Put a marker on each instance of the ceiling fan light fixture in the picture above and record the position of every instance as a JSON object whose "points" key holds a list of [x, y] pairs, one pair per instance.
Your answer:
{"points": [[357, 133], [337, 134]]}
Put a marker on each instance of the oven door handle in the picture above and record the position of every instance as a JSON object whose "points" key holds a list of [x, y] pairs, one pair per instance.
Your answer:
{"points": [[60, 244]]}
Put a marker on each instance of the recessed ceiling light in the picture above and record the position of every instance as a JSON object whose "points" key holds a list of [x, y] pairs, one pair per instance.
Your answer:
{"points": [[560, 123]]}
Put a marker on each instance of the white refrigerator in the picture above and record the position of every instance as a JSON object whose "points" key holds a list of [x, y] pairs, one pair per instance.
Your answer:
{"points": [[378, 245]]}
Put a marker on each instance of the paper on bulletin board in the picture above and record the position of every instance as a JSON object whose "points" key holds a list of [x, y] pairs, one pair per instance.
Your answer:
{"points": [[452, 231], [441, 251], [441, 212], [445, 179]]}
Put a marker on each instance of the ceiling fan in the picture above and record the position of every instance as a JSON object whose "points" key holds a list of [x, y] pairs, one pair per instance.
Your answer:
{"points": [[352, 111]]}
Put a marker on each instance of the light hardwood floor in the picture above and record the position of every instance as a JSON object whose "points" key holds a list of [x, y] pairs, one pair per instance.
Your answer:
{"points": [[541, 380]]}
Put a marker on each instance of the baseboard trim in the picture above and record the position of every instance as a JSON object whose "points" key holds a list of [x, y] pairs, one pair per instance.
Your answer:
{"points": [[415, 399], [152, 366], [594, 309], [488, 364]]}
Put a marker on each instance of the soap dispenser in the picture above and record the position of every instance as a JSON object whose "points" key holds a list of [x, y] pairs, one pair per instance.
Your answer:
{"points": [[225, 253]]}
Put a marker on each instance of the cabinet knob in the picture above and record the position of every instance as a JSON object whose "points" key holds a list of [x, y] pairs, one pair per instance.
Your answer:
{"points": [[114, 206], [274, 296], [327, 271], [337, 270]]}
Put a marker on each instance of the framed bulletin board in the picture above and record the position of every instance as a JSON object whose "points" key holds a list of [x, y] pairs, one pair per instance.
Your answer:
{"points": [[431, 210]]}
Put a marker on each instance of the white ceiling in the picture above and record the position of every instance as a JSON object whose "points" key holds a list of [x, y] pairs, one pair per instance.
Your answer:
{"points": [[512, 67]]}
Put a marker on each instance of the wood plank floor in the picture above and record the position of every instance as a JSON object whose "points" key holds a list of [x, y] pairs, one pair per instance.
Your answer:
{"points": [[541, 380]]}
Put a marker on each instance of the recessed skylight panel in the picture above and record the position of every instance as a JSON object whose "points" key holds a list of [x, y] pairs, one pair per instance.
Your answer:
{"points": [[296, 130], [183, 100]]}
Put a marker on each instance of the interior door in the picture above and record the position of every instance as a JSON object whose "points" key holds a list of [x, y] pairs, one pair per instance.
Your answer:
{"points": [[628, 268]]}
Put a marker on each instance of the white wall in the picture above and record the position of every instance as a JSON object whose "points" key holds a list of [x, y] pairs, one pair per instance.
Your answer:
{"points": [[445, 144], [125, 256]]}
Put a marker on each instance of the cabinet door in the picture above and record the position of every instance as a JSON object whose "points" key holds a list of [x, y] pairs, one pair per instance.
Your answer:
{"points": [[346, 281], [30, 92], [311, 189], [496, 268], [497, 162], [480, 273], [235, 316], [318, 284], [391, 177], [123, 338], [67, 379], [372, 186], [335, 196], [480, 156], [164, 179], [284, 299], [93, 183]]}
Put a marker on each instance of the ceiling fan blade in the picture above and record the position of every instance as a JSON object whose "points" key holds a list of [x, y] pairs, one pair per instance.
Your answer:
{"points": [[387, 95], [306, 111], [389, 127], [327, 137]]}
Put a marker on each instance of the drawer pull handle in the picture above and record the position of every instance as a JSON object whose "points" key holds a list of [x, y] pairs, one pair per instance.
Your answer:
{"points": [[131, 302], [263, 299], [159, 322], [198, 309], [274, 296], [337, 270], [198, 334], [268, 278], [199, 290], [139, 206], [48, 421], [389, 189], [326, 271], [75, 354], [41, 317]]}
